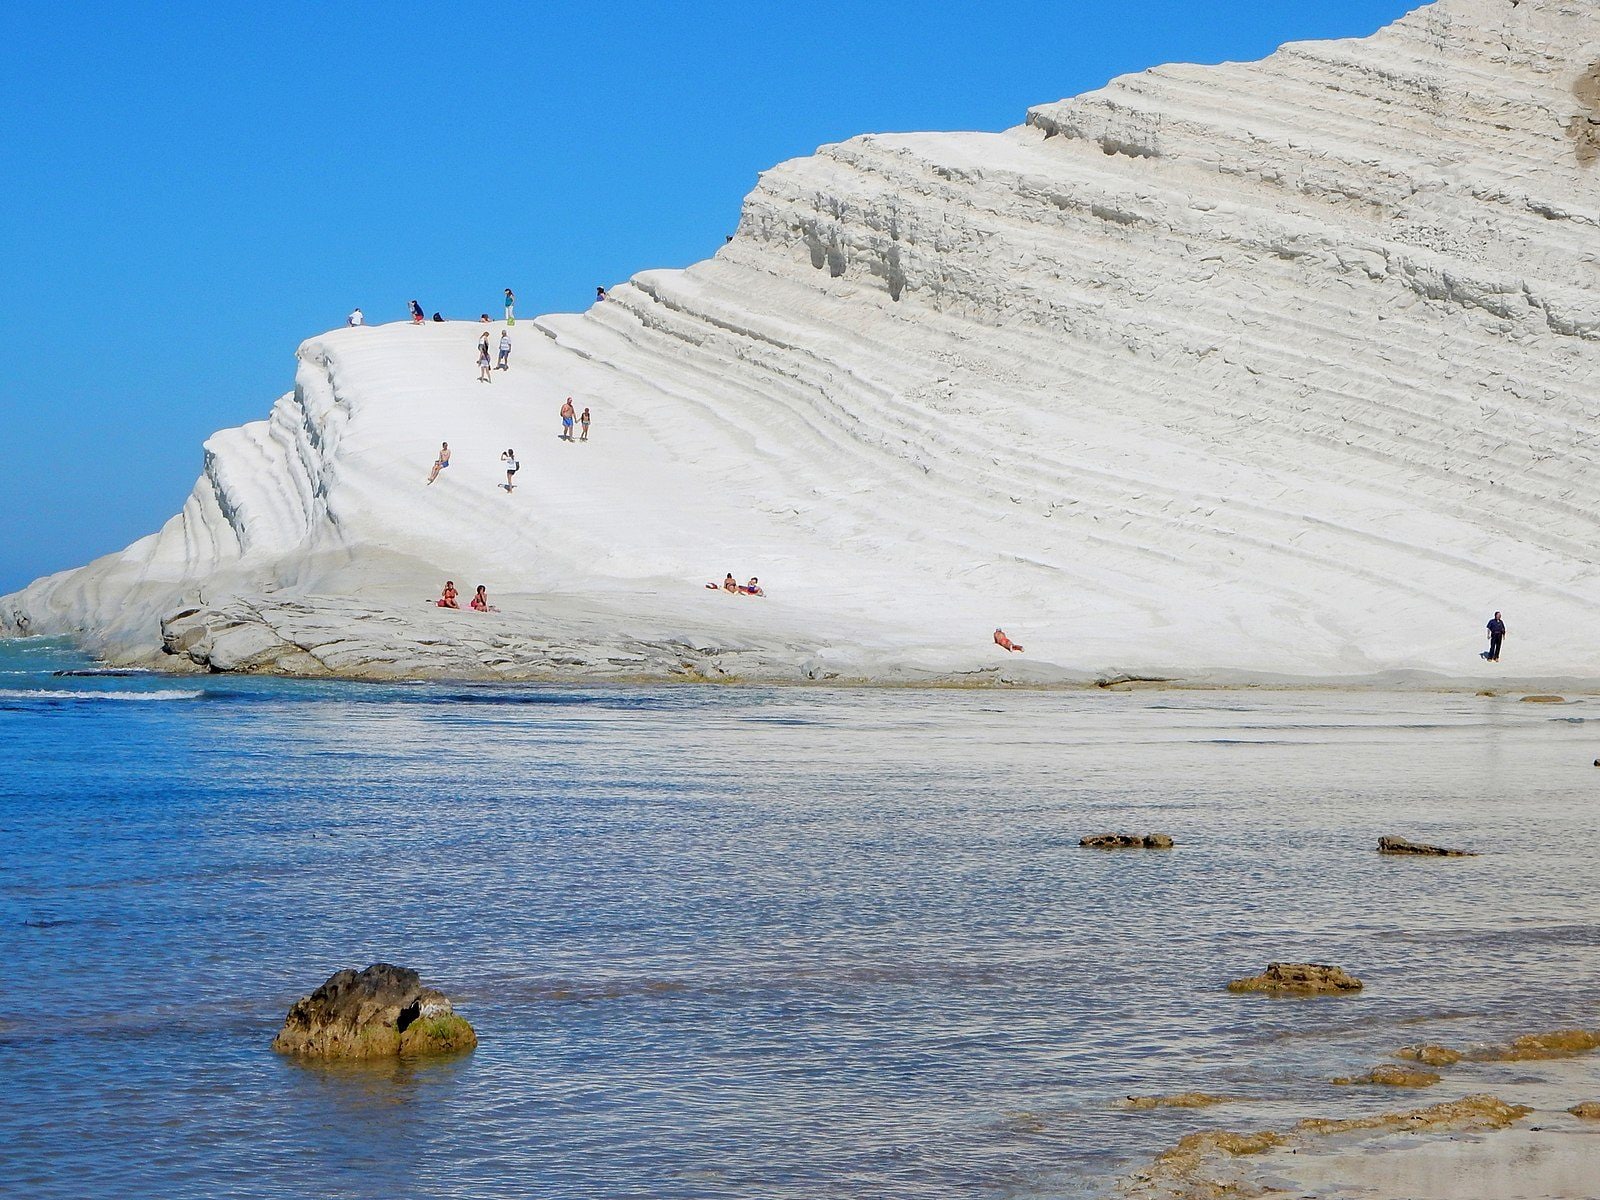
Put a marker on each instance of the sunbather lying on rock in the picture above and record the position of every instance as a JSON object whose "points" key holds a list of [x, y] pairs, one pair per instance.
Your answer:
{"points": [[1005, 643], [729, 584], [753, 588]]}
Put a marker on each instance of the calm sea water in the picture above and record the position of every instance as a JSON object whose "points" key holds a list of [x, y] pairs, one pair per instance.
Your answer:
{"points": [[738, 943]]}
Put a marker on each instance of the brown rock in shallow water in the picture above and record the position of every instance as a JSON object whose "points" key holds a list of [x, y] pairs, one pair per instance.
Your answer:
{"points": [[1558, 1043], [1390, 1075], [1429, 1055], [1305, 979], [1180, 1100], [1394, 845], [375, 1013], [1544, 699], [1589, 1109], [1127, 841]]}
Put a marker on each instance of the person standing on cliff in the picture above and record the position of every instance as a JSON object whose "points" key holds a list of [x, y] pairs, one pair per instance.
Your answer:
{"points": [[416, 313], [355, 319], [511, 300], [505, 350], [483, 359], [1497, 634], [583, 422], [568, 413]]}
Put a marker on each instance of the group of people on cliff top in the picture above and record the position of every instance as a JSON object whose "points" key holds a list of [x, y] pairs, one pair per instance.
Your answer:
{"points": [[418, 317]]}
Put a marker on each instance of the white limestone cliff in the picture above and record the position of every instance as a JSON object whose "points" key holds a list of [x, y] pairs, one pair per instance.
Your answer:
{"points": [[1279, 368]]}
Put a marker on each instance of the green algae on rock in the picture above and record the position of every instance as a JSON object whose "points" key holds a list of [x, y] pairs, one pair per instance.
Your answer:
{"points": [[380, 1012]]}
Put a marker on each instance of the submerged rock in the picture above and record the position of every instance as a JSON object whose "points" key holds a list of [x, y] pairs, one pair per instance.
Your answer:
{"points": [[1306, 979], [1429, 1055], [1588, 1109], [1127, 841], [1389, 1075], [1558, 1043], [1394, 845], [1177, 1100], [375, 1013]]}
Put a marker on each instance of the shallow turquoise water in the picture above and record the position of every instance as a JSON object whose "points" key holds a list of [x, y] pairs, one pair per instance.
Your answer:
{"points": [[733, 943]]}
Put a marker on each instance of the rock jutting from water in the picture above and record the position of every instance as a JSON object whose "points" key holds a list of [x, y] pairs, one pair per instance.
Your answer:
{"points": [[1303, 979], [1389, 1075], [381, 1011], [1394, 845], [1176, 1100], [1588, 1109], [1127, 841], [1429, 1055]]}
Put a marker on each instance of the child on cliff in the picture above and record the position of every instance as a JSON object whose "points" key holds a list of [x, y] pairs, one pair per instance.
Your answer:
{"points": [[583, 422], [512, 467]]}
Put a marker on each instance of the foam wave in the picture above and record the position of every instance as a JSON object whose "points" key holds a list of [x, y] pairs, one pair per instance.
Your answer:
{"points": [[86, 694]]}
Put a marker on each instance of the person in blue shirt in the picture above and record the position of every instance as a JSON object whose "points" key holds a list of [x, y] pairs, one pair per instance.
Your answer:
{"points": [[1497, 634]]}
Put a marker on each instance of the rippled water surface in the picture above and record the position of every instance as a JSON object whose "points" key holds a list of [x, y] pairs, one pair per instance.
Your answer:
{"points": [[734, 943]]}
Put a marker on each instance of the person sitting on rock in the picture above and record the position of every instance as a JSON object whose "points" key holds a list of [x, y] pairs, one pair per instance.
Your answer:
{"points": [[441, 462], [480, 601], [753, 588], [416, 313], [448, 598], [1005, 643]]}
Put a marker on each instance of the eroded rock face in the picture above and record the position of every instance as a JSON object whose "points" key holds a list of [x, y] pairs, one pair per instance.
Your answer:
{"points": [[1127, 841], [1394, 845], [381, 1011], [1304, 979]]}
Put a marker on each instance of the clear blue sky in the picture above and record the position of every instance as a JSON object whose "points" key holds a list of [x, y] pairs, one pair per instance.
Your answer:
{"points": [[190, 190]]}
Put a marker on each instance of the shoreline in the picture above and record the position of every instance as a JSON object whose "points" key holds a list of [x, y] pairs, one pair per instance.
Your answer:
{"points": [[765, 669]]}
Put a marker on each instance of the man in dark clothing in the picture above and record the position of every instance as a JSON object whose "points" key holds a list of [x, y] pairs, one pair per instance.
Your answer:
{"points": [[1497, 634]]}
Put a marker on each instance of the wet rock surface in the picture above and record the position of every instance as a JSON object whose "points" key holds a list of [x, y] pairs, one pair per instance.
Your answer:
{"points": [[1177, 1100], [1390, 1075], [1303, 979], [382, 1011], [1429, 1054], [1127, 841], [1395, 845]]}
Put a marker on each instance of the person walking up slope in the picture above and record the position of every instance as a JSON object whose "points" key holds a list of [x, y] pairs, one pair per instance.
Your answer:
{"points": [[1497, 634], [483, 359], [512, 467], [511, 301]]}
